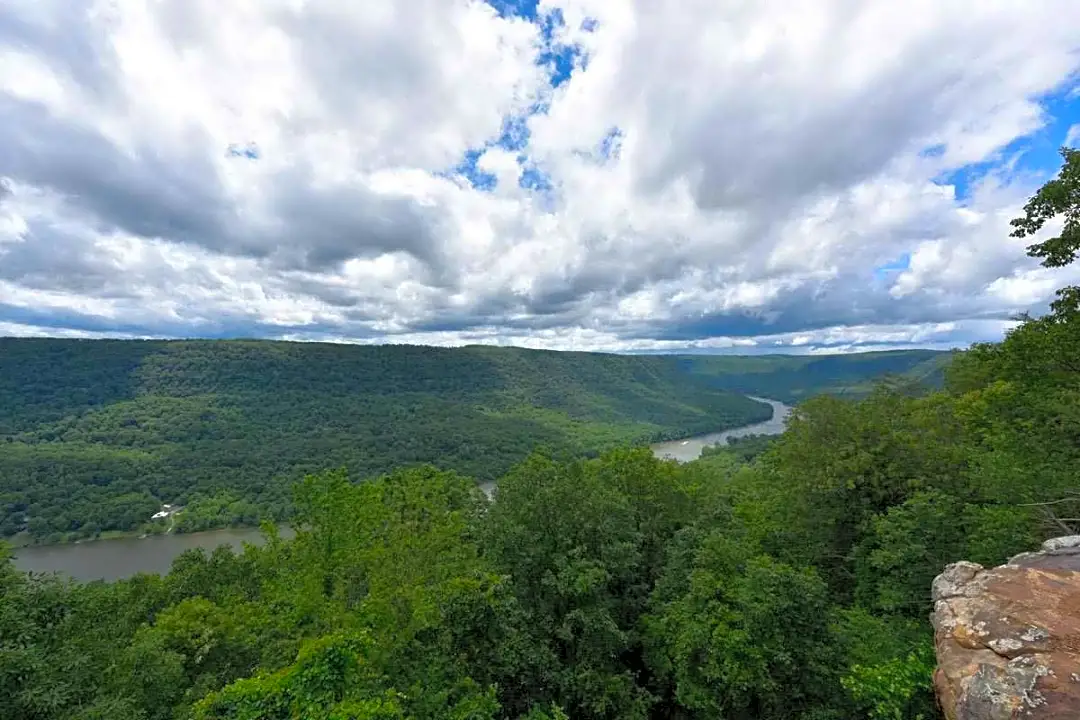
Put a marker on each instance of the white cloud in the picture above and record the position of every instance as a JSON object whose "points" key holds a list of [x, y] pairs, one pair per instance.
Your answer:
{"points": [[768, 164], [1072, 137]]}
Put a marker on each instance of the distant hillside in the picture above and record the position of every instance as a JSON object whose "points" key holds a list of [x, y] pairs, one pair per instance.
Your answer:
{"points": [[95, 435], [792, 378]]}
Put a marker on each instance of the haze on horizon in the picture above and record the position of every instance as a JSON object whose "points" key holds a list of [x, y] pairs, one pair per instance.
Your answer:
{"points": [[578, 174]]}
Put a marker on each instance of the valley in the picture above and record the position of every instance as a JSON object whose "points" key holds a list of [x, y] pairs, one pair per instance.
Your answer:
{"points": [[122, 557], [97, 436]]}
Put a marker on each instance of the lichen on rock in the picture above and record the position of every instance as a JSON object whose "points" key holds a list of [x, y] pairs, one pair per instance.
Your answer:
{"points": [[1008, 638]]}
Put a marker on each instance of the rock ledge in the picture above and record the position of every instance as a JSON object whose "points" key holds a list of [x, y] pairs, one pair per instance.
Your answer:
{"points": [[1008, 638]]}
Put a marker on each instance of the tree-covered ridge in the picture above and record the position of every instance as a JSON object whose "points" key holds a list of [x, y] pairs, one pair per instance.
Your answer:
{"points": [[96, 435], [794, 378]]}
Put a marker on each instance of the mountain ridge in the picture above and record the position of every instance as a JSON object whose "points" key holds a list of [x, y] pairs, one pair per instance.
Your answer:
{"points": [[97, 434]]}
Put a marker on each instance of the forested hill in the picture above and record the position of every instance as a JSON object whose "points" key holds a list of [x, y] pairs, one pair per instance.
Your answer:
{"points": [[793, 378], [96, 435], [99, 433]]}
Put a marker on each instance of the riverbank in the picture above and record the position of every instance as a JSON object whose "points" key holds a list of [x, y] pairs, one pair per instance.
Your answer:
{"points": [[123, 554], [688, 449], [26, 540], [118, 558]]}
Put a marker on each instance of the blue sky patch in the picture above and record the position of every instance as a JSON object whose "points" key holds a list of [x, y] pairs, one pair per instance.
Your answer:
{"points": [[900, 264], [551, 23], [477, 178], [515, 133], [559, 58], [1036, 154], [560, 61], [526, 9], [532, 177]]}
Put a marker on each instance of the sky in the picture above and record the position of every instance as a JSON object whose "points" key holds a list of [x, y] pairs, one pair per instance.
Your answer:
{"points": [[618, 175]]}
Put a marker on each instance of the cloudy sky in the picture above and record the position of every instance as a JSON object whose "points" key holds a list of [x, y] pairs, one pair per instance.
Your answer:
{"points": [[748, 175]]}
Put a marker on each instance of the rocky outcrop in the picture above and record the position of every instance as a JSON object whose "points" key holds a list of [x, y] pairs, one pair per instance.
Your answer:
{"points": [[1008, 638]]}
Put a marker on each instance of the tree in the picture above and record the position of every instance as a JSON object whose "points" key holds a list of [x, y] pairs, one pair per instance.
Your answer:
{"points": [[1060, 196], [904, 550], [570, 540], [330, 680], [747, 637]]}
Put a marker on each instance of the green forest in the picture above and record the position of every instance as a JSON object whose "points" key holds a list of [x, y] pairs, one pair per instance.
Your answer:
{"points": [[787, 579], [96, 435], [794, 378]]}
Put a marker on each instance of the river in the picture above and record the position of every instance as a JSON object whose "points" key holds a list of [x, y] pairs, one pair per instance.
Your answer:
{"points": [[123, 557], [690, 448]]}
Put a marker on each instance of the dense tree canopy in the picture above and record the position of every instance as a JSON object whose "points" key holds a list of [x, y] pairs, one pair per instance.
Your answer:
{"points": [[96, 435]]}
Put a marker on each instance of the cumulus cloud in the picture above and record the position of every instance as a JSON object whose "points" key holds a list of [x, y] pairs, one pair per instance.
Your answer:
{"points": [[572, 173]]}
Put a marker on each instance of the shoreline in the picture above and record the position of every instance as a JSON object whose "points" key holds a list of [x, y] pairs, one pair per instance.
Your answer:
{"points": [[764, 401], [690, 448], [110, 535], [26, 542]]}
